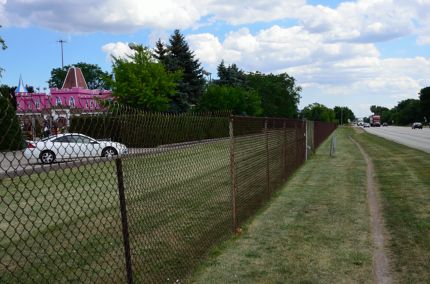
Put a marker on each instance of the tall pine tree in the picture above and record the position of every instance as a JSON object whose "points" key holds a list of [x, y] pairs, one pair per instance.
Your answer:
{"points": [[231, 75], [191, 86], [160, 51]]}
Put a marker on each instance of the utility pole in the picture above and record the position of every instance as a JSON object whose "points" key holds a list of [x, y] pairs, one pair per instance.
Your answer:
{"points": [[62, 58]]}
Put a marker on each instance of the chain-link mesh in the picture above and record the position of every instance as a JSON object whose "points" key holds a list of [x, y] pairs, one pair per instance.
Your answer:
{"points": [[265, 153], [321, 131], [121, 195]]}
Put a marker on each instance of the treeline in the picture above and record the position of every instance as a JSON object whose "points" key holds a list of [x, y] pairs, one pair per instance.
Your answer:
{"points": [[407, 111], [319, 112], [170, 79]]}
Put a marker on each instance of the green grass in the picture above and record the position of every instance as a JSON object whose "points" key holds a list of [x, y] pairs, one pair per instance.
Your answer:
{"points": [[316, 230], [65, 225], [403, 176], [59, 225]]}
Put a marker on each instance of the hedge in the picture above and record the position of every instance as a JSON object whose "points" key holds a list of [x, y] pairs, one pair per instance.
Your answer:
{"points": [[150, 129]]}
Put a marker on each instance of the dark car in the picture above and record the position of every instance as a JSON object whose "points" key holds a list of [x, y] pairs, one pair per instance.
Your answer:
{"points": [[418, 125]]}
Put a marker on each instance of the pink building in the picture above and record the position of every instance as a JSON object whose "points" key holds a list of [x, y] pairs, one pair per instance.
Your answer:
{"points": [[55, 108], [74, 95]]}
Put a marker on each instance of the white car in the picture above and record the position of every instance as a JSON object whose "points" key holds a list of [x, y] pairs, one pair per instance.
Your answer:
{"points": [[71, 146]]}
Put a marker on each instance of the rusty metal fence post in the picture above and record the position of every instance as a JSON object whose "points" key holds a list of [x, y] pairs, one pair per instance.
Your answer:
{"points": [[233, 175], [124, 221], [305, 124], [266, 132]]}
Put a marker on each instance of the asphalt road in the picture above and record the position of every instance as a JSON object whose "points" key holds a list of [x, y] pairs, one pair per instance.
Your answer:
{"points": [[414, 138]]}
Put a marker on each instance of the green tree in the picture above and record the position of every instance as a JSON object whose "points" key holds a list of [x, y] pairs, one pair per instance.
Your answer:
{"points": [[191, 86], [230, 75], [9, 92], [407, 112], [342, 114], [142, 82], [318, 112], [160, 51], [95, 77], [10, 128], [387, 116], [228, 98], [279, 93], [425, 102], [378, 109]]}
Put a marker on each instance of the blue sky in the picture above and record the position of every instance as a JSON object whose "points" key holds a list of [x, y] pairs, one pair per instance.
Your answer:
{"points": [[355, 53]]}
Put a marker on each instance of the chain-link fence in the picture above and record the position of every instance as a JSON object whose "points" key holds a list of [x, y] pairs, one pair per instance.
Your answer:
{"points": [[321, 131], [127, 196]]}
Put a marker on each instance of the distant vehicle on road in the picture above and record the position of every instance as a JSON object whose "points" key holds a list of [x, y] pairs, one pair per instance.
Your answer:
{"points": [[375, 120], [384, 124], [416, 125], [70, 146], [365, 125]]}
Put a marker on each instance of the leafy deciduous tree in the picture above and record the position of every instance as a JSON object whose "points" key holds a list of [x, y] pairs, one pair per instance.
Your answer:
{"points": [[235, 99], [407, 111], [342, 114], [95, 77], [378, 109], [318, 112], [425, 102], [279, 93], [141, 82]]}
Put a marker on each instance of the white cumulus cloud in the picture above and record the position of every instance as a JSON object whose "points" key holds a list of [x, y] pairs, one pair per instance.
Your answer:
{"points": [[81, 16], [330, 72], [117, 49]]}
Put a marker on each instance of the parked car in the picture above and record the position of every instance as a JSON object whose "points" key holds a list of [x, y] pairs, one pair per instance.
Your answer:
{"points": [[71, 146], [384, 124], [418, 125], [366, 125]]}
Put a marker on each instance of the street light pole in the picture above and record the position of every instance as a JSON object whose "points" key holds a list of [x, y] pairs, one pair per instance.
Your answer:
{"points": [[62, 58]]}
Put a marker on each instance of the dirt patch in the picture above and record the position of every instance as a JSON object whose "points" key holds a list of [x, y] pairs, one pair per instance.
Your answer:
{"points": [[381, 264]]}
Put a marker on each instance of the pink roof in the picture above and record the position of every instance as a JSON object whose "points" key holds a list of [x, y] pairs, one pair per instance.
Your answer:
{"points": [[74, 79], [74, 95]]}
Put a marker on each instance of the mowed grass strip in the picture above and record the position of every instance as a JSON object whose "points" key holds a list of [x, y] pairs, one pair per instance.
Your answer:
{"points": [[316, 230], [65, 225], [403, 176]]}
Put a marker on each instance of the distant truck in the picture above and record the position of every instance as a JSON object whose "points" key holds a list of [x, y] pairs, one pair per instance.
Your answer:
{"points": [[375, 120]]}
